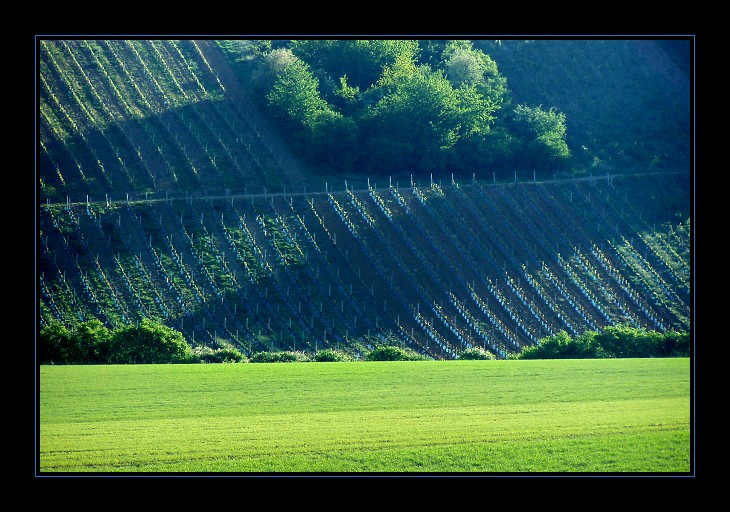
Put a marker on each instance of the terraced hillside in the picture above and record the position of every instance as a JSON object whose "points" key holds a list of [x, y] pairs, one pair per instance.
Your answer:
{"points": [[164, 194]]}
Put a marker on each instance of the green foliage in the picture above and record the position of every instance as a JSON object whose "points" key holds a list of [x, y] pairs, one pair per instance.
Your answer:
{"points": [[271, 64], [543, 134], [612, 342], [361, 60], [92, 343], [463, 66], [280, 357], [416, 120], [218, 355], [57, 345], [398, 104], [624, 341], [476, 353], [295, 95], [466, 66], [393, 353], [558, 346], [675, 344], [318, 130], [331, 356], [587, 79], [331, 131], [149, 343], [241, 50], [87, 343]]}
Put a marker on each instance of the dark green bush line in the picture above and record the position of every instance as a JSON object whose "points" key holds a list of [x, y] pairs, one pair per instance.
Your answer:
{"points": [[613, 341], [149, 342], [280, 357], [393, 353], [91, 342], [477, 353]]}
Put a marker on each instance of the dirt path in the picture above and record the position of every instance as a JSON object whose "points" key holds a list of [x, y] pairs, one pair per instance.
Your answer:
{"points": [[293, 171]]}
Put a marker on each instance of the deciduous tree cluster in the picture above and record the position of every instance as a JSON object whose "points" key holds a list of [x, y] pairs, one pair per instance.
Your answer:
{"points": [[394, 106]]}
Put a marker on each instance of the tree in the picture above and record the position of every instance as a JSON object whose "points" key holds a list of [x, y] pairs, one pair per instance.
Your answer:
{"points": [[324, 135], [543, 135], [361, 60], [376, 106], [475, 112], [87, 343], [148, 343], [295, 94], [463, 66], [467, 66], [57, 345], [415, 120], [333, 141], [271, 64], [92, 338]]}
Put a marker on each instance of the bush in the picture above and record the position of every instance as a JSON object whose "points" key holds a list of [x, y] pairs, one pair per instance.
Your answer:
{"points": [[149, 343], [675, 344], [57, 345], [280, 357], [218, 355], [613, 341], [92, 343], [331, 356], [86, 343], [477, 353], [392, 353], [559, 346]]}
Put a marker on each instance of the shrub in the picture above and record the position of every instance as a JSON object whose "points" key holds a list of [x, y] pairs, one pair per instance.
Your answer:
{"points": [[675, 344], [57, 344], [613, 341], [218, 355], [477, 353], [86, 343], [149, 343], [330, 356], [280, 357], [230, 355], [560, 346], [392, 353]]}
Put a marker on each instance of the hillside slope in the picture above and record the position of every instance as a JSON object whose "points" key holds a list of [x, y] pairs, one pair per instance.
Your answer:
{"points": [[164, 194], [627, 101]]}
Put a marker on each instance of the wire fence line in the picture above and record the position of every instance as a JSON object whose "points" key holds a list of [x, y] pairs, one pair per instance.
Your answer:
{"points": [[329, 189]]}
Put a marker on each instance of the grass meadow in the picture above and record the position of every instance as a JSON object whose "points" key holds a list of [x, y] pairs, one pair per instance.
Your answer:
{"points": [[607, 416]]}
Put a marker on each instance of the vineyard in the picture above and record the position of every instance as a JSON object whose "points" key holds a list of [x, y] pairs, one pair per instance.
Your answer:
{"points": [[163, 194]]}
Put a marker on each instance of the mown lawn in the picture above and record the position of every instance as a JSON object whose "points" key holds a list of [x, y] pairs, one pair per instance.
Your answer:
{"points": [[533, 416]]}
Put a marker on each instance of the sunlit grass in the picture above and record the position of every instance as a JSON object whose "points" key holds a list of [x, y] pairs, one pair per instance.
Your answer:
{"points": [[629, 415]]}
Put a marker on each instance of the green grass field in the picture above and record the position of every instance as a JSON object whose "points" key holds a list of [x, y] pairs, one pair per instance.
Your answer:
{"points": [[532, 416]]}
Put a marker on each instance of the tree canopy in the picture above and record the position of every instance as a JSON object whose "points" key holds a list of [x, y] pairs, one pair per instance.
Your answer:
{"points": [[404, 106], [92, 343]]}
